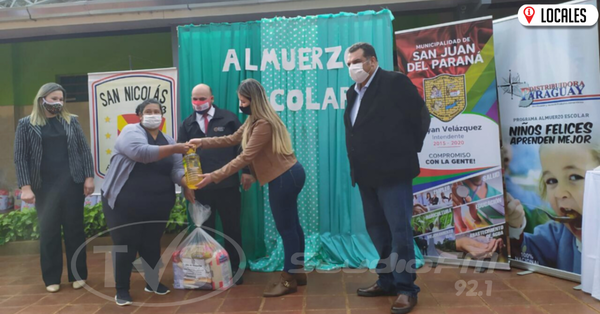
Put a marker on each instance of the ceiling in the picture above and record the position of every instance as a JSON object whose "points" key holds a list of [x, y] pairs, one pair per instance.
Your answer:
{"points": [[45, 19], [83, 17]]}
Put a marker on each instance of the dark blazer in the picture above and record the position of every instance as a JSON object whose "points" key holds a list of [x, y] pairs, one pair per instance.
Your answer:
{"points": [[223, 123], [389, 130], [28, 153]]}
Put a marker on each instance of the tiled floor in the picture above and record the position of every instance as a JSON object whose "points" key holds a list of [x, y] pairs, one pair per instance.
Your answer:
{"points": [[22, 291]]}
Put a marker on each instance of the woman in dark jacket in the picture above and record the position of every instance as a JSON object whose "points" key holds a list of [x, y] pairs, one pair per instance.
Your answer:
{"points": [[55, 171], [138, 194]]}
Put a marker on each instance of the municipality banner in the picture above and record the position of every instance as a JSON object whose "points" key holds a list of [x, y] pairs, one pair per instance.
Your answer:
{"points": [[549, 94], [114, 97], [458, 213]]}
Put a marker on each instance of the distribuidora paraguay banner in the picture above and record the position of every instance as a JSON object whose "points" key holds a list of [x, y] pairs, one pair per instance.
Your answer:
{"points": [[549, 93], [458, 213]]}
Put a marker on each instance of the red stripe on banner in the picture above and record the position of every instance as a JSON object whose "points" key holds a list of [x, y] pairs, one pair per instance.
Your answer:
{"points": [[133, 74], [94, 135], [566, 97], [444, 172]]}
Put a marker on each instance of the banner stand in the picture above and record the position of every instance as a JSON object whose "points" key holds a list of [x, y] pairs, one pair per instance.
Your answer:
{"points": [[458, 204], [534, 96], [547, 271], [468, 263]]}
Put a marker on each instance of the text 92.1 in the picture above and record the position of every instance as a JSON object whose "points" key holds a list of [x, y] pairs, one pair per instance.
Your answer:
{"points": [[462, 285]]}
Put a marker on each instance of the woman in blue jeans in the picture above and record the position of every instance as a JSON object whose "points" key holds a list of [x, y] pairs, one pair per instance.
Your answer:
{"points": [[267, 149]]}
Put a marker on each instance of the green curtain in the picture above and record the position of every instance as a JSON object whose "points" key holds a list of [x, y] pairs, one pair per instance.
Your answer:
{"points": [[199, 47], [330, 208]]}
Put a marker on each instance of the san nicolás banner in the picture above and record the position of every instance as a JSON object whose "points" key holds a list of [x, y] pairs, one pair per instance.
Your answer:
{"points": [[114, 97]]}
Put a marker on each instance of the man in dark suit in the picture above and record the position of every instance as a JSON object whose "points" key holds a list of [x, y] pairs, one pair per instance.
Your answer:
{"points": [[224, 198], [386, 122]]}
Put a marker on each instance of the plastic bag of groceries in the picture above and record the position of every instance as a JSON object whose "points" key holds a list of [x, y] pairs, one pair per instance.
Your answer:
{"points": [[200, 262]]}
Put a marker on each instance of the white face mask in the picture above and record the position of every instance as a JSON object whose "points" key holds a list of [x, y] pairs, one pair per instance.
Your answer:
{"points": [[151, 121], [357, 73]]}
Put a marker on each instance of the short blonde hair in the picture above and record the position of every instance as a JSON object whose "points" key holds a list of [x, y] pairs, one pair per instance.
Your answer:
{"points": [[38, 114]]}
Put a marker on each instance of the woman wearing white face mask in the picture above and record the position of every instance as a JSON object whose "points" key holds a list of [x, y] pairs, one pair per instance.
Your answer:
{"points": [[138, 194], [55, 171]]}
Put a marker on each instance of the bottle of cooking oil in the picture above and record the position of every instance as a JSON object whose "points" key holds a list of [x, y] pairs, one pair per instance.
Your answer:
{"points": [[191, 162]]}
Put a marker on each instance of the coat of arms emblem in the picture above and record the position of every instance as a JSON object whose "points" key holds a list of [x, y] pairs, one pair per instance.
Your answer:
{"points": [[445, 96]]}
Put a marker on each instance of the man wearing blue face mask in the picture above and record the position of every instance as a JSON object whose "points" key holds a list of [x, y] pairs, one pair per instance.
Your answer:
{"points": [[386, 122], [224, 198]]}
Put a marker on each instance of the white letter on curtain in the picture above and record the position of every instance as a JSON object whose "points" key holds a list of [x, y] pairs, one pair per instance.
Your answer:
{"points": [[249, 65], [231, 59]]}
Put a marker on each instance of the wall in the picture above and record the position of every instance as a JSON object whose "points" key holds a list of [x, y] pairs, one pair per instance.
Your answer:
{"points": [[25, 66], [404, 20]]}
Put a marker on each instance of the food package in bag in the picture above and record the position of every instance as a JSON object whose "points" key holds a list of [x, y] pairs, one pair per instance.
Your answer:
{"points": [[200, 262], [91, 200], [27, 206], [221, 270], [18, 201], [4, 195]]}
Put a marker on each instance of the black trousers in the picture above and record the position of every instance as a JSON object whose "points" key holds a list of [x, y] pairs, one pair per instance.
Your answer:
{"points": [[132, 232], [227, 202], [59, 203]]}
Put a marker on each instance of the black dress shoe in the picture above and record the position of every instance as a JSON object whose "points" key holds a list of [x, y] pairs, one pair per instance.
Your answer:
{"points": [[404, 304], [240, 280], [373, 291]]}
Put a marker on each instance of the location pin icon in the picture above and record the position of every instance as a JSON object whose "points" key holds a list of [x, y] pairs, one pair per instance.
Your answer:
{"points": [[529, 12]]}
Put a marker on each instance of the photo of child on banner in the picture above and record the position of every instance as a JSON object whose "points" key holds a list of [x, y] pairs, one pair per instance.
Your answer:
{"points": [[555, 239]]}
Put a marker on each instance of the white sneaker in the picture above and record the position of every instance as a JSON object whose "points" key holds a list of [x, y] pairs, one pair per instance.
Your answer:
{"points": [[53, 288], [78, 284]]}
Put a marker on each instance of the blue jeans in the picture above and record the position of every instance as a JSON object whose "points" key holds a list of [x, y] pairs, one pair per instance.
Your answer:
{"points": [[388, 211], [283, 197]]}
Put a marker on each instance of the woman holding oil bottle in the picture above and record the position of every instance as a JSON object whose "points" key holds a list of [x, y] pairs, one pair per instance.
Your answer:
{"points": [[138, 195]]}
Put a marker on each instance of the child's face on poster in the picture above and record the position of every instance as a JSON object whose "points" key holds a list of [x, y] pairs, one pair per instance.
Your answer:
{"points": [[563, 173]]}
